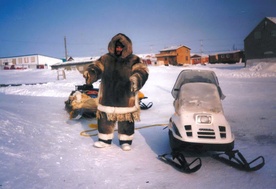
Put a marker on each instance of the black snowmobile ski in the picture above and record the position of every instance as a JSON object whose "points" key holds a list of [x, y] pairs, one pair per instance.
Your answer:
{"points": [[182, 164], [144, 106], [236, 159]]}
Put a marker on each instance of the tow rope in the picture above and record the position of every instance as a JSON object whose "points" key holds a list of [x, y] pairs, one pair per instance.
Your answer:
{"points": [[91, 132]]}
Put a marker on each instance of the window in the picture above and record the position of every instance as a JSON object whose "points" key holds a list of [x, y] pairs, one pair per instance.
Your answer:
{"points": [[26, 59], [273, 33], [20, 60], [32, 59]]}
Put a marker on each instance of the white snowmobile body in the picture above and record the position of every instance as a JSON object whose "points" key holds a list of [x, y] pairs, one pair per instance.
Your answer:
{"points": [[199, 122]]}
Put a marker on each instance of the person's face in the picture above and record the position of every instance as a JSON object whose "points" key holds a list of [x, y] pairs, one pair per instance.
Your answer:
{"points": [[118, 50]]}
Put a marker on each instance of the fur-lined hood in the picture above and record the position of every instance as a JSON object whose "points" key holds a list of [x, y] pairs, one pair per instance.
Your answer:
{"points": [[127, 49]]}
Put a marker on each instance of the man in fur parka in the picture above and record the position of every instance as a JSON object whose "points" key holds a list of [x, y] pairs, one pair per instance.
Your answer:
{"points": [[122, 74]]}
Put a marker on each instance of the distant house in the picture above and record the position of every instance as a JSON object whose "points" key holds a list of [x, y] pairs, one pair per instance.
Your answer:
{"points": [[32, 61], [148, 59], [199, 59], [261, 41], [70, 58], [174, 56], [229, 57]]}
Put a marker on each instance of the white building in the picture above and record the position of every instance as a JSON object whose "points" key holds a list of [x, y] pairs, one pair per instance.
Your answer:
{"points": [[32, 61]]}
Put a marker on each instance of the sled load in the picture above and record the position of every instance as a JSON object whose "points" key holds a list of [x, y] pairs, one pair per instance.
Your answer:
{"points": [[83, 102], [199, 124]]}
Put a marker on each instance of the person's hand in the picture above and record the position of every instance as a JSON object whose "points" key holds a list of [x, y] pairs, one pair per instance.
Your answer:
{"points": [[134, 84], [89, 77]]}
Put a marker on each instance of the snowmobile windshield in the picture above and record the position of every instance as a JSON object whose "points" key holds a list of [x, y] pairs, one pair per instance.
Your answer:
{"points": [[199, 97], [192, 76]]}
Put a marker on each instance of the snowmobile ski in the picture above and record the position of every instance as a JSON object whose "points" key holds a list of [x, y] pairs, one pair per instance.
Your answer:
{"points": [[144, 106], [236, 159], [182, 164]]}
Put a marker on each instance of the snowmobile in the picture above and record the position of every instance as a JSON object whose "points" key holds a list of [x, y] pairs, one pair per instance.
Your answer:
{"points": [[83, 102], [199, 124]]}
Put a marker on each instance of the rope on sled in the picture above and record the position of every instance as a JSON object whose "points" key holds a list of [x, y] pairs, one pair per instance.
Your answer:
{"points": [[89, 133]]}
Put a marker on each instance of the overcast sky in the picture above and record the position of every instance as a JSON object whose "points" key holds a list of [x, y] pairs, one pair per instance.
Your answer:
{"points": [[39, 26]]}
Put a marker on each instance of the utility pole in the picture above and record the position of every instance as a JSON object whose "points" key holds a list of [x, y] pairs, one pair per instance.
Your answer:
{"points": [[201, 50], [65, 46]]}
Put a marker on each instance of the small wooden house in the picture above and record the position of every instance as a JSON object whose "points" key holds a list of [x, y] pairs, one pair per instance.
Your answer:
{"points": [[199, 59], [230, 57], [179, 55], [261, 41]]}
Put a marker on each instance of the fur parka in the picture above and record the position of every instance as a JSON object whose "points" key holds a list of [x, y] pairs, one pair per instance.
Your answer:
{"points": [[115, 96]]}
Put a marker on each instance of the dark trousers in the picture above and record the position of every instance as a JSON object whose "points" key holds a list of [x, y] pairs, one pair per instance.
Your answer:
{"points": [[106, 130]]}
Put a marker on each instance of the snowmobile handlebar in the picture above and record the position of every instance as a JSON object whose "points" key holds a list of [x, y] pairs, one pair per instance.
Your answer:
{"points": [[84, 87]]}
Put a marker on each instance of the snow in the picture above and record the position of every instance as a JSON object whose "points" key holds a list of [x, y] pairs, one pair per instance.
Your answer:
{"points": [[42, 148]]}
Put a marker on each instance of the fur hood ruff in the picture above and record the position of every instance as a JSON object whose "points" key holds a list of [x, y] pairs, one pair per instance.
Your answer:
{"points": [[127, 49]]}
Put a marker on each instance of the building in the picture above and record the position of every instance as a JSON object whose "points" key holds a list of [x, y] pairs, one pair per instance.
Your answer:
{"points": [[73, 65], [261, 41], [31, 61], [148, 59], [179, 55], [230, 57], [76, 63], [199, 59]]}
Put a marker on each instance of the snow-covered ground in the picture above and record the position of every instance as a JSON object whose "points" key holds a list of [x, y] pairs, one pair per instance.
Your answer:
{"points": [[41, 148]]}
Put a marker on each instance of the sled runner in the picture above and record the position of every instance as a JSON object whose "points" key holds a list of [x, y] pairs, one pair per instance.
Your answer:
{"points": [[82, 102], [199, 124]]}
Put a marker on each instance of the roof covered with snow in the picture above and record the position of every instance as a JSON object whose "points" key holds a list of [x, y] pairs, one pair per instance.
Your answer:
{"points": [[174, 48], [199, 54], [226, 52], [273, 19]]}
